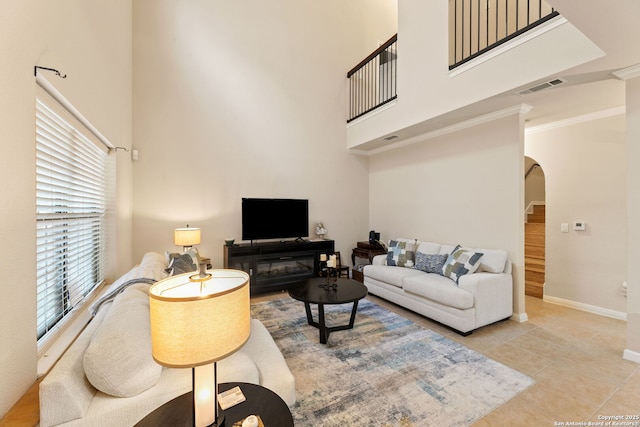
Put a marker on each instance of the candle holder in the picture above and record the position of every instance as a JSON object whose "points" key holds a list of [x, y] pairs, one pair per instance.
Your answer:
{"points": [[331, 282]]}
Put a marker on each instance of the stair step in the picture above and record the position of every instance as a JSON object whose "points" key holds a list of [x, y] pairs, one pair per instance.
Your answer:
{"points": [[538, 215], [534, 251], [534, 239], [538, 268], [533, 290], [533, 276], [535, 220], [534, 261], [535, 226]]}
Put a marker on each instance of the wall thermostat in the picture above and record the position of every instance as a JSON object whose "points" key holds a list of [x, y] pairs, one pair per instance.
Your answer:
{"points": [[579, 225]]}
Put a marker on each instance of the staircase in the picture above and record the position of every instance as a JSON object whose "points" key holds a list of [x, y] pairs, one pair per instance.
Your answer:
{"points": [[534, 252]]}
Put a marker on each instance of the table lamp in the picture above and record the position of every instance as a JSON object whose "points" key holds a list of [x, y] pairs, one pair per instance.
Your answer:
{"points": [[186, 237], [196, 320]]}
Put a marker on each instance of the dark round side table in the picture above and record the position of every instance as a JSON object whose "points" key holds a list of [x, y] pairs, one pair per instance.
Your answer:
{"points": [[313, 291], [260, 401]]}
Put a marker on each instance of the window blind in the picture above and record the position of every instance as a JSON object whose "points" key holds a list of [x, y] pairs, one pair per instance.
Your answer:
{"points": [[71, 193]]}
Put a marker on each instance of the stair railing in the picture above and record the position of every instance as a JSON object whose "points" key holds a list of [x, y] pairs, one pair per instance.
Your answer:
{"points": [[372, 83], [531, 168]]}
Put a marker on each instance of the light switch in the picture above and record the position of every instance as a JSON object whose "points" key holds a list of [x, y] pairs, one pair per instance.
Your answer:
{"points": [[564, 227]]}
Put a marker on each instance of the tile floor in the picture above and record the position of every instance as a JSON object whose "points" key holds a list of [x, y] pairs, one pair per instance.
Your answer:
{"points": [[575, 358]]}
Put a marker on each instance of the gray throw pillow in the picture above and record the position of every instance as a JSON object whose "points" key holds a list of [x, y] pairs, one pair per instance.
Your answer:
{"points": [[179, 263]]}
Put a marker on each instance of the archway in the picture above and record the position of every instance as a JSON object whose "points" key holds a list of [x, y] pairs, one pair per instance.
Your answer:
{"points": [[534, 234]]}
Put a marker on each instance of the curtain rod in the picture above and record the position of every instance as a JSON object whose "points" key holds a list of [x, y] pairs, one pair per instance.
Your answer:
{"points": [[51, 90]]}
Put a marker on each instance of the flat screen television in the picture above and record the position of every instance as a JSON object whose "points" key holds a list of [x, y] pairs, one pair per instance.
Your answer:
{"points": [[274, 218]]}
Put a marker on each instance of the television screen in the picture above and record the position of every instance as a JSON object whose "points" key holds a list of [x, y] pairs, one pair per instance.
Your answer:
{"points": [[274, 218]]}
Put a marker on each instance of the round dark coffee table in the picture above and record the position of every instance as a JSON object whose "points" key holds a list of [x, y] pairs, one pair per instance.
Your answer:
{"points": [[313, 291], [260, 401]]}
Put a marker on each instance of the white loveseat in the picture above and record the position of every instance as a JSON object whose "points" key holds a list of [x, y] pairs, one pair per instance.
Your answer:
{"points": [[463, 302], [108, 377]]}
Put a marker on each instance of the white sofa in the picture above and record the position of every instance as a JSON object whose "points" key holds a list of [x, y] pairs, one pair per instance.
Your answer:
{"points": [[108, 377], [476, 299]]}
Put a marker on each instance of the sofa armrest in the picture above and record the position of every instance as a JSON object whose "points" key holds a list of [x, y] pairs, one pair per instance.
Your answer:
{"points": [[379, 260], [65, 393], [493, 295]]}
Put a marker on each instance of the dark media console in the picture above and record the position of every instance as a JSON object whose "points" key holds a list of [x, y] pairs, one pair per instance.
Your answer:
{"points": [[276, 265]]}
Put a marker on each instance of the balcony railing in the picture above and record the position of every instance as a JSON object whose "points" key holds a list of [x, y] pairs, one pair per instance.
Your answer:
{"points": [[372, 83], [476, 26]]}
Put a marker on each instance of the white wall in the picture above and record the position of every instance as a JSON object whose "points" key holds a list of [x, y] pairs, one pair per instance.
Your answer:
{"points": [[91, 43], [465, 187], [585, 174], [633, 213], [247, 99]]}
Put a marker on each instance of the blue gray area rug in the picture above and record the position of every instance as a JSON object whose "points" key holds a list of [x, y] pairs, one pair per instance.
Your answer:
{"points": [[386, 372]]}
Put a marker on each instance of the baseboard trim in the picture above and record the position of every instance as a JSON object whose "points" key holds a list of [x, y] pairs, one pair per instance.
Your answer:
{"points": [[633, 356], [519, 317], [586, 307]]}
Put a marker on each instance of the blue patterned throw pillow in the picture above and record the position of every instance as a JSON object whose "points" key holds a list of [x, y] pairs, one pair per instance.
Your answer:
{"points": [[401, 254], [430, 263], [461, 262]]}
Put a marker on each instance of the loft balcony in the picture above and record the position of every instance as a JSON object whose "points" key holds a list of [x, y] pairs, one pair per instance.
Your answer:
{"points": [[455, 61], [475, 28], [478, 26]]}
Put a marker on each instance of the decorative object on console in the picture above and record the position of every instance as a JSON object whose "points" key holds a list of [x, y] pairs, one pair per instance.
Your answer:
{"points": [[229, 241], [321, 232], [195, 321], [186, 237]]}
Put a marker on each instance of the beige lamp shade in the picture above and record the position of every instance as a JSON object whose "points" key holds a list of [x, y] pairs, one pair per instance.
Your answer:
{"points": [[188, 236], [194, 323]]}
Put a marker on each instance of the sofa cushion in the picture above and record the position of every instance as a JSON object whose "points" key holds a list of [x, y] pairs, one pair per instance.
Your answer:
{"points": [[152, 266], [430, 263], [118, 360], [440, 289], [239, 367], [390, 275], [493, 260], [401, 254], [447, 249], [429, 248], [461, 262]]}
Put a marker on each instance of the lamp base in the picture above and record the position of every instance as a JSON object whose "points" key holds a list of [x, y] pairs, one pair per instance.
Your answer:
{"points": [[219, 422]]}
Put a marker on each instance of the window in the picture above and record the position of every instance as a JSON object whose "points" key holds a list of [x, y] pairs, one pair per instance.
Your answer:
{"points": [[71, 193]]}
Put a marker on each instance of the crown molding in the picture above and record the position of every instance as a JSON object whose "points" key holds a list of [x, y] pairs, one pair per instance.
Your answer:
{"points": [[628, 73], [485, 118], [576, 120]]}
